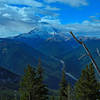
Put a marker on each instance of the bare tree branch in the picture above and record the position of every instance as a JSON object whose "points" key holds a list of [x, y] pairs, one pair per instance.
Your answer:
{"points": [[80, 42], [88, 53]]}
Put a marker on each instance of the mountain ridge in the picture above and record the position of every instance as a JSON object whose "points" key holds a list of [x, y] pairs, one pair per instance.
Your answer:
{"points": [[18, 51]]}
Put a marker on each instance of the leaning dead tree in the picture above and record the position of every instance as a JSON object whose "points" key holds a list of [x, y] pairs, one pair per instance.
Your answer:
{"points": [[88, 53]]}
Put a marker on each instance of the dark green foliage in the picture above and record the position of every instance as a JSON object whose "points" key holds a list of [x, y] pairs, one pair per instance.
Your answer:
{"points": [[41, 89], [53, 98], [69, 92], [87, 87], [28, 84], [63, 87], [9, 94], [32, 86]]}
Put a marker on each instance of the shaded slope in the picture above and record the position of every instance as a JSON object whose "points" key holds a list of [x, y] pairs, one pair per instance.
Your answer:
{"points": [[15, 56], [8, 79]]}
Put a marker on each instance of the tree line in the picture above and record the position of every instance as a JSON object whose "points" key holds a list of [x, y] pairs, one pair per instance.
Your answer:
{"points": [[32, 86]]}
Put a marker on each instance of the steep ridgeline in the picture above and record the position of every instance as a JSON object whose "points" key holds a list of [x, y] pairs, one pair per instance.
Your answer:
{"points": [[55, 49], [56, 44], [48, 40]]}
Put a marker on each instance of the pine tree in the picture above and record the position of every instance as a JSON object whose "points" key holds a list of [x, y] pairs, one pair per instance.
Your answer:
{"points": [[53, 98], [69, 92], [87, 86], [42, 90], [32, 86], [63, 87], [28, 84]]}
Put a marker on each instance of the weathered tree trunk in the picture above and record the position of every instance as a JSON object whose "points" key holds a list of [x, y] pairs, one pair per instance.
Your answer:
{"points": [[88, 53]]}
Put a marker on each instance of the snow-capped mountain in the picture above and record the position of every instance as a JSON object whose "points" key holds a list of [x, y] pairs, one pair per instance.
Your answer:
{"points": [[46, 31], [51, 45]]}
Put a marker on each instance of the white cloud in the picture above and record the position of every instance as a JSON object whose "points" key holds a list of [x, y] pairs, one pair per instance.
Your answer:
{"points": [[86, 28], [21, 17], [52, 8], [24, 18], [74, 3], [23, 2], [26, 13], [6, 15], [92, 17], [13, 28], [95, 19], [49, 19], [20, 14], [15, 20]]}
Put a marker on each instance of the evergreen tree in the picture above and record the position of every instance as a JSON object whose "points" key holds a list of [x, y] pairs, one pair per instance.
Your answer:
{"points": [[87, 87], [69, 92], [63, 87], [32, 86], [42, 90], [53, 98], [28, 84]]}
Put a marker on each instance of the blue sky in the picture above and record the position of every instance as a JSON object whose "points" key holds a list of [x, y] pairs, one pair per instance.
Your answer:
{"points": [[20, 16]]}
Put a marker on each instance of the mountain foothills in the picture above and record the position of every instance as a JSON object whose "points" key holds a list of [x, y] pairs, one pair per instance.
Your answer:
{"points": [[55, 49]]}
